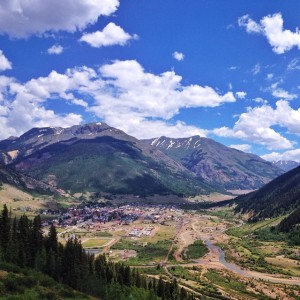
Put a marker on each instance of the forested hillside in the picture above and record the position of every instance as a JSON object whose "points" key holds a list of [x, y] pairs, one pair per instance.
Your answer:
{"points": [[23, 245], [98, 158], [280, 196]]}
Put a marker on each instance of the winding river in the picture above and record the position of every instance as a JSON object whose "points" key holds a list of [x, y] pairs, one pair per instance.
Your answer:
{"points": [[232, 267], [247, 273]]}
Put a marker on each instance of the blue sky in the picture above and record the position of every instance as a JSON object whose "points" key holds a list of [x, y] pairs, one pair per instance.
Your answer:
{"points": [[228, 70]]}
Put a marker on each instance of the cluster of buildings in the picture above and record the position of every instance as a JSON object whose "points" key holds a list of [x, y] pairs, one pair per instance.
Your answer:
{"points": [[87, 216], [94, 216], [140, 231]]}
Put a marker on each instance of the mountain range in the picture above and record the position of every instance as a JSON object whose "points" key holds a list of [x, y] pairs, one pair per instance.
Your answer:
{"points": [[216, 163], [286, 165], [98, 158]]}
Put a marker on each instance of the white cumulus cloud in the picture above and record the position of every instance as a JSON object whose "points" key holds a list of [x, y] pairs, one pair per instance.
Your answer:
{"points": [[5, 64], [250, 25], [271, 26], [280, 93], [287, 155], [260, 100], [112, 34], [120, 93], [256, 124], [241, 95], [283, 94], [135, 100], [241, 147], [178, 55], [56, 49], [159, 96], [23, 18]]}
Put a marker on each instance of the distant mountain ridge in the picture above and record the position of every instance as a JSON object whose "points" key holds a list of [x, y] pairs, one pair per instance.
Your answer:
{"points": [[99, 158], [39, 138], [216, 163], [286, 165]]}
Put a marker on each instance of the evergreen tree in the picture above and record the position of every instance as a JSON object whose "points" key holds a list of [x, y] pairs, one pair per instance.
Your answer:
{"points": [[50, 266], [35, 239], [5, 228], [160, 288], [23, 238], [40, 262], [52, 242]]}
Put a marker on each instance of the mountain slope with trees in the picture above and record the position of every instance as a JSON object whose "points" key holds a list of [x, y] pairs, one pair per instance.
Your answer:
{"points": [[217, 164], [280, 196], [96, 157]]}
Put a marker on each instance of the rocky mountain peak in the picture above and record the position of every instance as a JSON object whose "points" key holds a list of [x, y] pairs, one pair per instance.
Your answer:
{"points": [[216, 163], [164, 142], [90, 128], [39, 138], [286, 165], [193, 158], [65, 133], [38, 132]]}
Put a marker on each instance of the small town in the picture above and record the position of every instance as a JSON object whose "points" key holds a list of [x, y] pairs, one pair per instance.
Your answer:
{"points": [[149, 150], [93, 216]]}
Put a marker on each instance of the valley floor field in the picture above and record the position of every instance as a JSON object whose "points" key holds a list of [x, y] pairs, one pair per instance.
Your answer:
{"points": [[196, 247]]}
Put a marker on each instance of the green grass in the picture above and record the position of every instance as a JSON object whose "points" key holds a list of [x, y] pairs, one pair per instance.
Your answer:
{"points": [[251, 256], [195, 250], [250, 228], [260, 231], [102, 234], [152, 270], [164, 233], [95, 243], [250, 242], [151, 253], [231, 284], [226, 213], [182, 272]]}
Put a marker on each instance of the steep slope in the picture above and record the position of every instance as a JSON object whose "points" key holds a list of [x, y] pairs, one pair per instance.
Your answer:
{"points": [[286, 165], [290, 222], [97, 157], [216, 163], [17, 283], [26, 183], [280, 196], [39, 138]]}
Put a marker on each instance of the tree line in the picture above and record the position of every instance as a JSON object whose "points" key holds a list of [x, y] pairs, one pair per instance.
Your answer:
{"points": [[23, 243]]}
